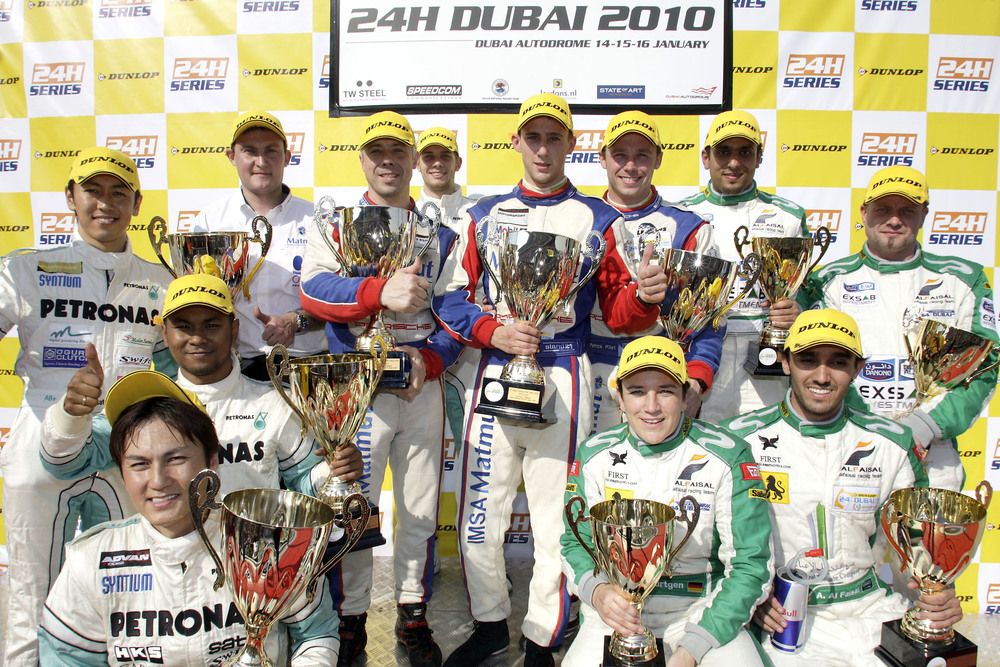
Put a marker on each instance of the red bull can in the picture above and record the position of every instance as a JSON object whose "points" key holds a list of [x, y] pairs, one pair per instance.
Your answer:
{"points": [[793, 596]]}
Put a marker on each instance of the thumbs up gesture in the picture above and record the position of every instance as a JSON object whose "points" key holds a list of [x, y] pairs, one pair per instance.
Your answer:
{"points": [[84, 388], [406, 290], [651, 278]]}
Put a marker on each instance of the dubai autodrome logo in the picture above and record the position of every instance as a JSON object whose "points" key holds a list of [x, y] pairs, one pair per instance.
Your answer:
{"points": [[141, 148], [829, 218], [324, 73], [969, 74], [199, 74], [817, 70], [112, 9], [958, 228], [10, 154], [185, 221], [883, 149], [57, 79]]}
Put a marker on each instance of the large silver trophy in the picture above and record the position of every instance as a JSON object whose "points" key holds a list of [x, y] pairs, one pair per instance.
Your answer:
{"points": [[222, 254], [699, 286], [935, 533], [631, 546], [536, 273], [785, 263], [273, 543], [377, 241]]}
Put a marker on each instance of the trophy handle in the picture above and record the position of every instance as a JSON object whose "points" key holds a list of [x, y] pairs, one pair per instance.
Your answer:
{"points": [[277, 368], [430, 211], [574, 516], [822, 237], [750, 271], [984, 492], [741, 238], [690, 522], [200, 509], [157, 230], [324, 208], [979, 372], [379, 350], [265, 244], [594, 247], [490, 236], [887, 526], [353, 528]]}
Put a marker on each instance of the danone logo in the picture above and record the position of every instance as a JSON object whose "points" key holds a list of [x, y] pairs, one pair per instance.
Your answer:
{"points": [[199, 74], [884, 150], [958, 228], [57, 79], [828, 218], [820, 70], [972, 74], [878, 371], [10, 153], [142, 149], [185, 221]]}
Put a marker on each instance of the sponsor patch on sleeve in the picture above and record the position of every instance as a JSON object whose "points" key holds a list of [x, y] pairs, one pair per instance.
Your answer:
{"points": [[987, 318], [750, 470], [71, 268], [617, 494], [857, 499], [571, 488], [111, 560], [574, 468], [758, 493]]}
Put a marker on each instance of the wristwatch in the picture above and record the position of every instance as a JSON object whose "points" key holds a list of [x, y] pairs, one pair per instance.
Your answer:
{"points": [[301, 322]]}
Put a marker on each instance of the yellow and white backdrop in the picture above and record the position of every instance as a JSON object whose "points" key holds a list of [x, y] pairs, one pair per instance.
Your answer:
{"points": [[841, 87]]}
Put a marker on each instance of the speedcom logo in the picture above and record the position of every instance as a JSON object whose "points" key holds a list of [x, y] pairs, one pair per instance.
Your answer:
{"points": [[814, 70], [142, 149], [57, 79], [964, 74], [10, 154], [958, 228], [199, 74], [55, 228], [885, 150], [828, 218]]}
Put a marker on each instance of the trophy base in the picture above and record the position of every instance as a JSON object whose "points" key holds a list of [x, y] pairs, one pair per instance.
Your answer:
{"points": [[611, 661], [371, 536], [898, 650], [396, 374], [512, 399], [764, 360]]}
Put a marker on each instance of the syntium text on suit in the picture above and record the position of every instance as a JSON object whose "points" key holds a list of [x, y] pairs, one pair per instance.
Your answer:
{"points": [[498, 452]]}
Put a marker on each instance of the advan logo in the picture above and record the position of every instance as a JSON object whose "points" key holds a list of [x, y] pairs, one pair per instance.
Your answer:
{"points": [[142, 149], [58, 79], [957, 228], [829, 218], [884, 149], [199, 74], [818, 70], [971, 74]]}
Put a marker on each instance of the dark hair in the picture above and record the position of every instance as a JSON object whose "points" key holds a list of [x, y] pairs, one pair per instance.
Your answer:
{"points": [[186, 420]]}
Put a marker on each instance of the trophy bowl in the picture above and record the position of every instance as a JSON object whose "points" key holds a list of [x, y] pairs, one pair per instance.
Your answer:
{"points": [[223, 254], [330, 393], [944, 357], [631, 547], [535, 274], [273, 543]]}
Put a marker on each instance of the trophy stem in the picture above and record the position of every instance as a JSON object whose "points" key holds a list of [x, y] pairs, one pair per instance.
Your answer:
{"points": [[252, 654], [773, 337], [376, 328], [920, 631], [633, 649], [334, 491], [523, 368]]}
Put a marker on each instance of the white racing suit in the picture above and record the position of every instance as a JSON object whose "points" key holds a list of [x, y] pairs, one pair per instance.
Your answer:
{"points": [[735, 391], [259, 435], [408, 436], [877, 293], [849, 465], [130, 595], [498, 452], [687, 232], [720, 574], [60, 300]]}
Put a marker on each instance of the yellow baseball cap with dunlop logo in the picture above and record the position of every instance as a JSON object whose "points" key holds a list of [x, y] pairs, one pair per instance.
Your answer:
{"points": [[140, 385], [253, 119], [825, 326], [648, 352], [898, 180], [387, 125], [198, 289], [733, 124], [545, 104], [437, 136], [632, 121], [97, 160]]}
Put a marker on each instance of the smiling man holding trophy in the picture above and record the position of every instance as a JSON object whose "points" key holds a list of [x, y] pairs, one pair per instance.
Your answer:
{"points": [[721, 566], [889, 287]]}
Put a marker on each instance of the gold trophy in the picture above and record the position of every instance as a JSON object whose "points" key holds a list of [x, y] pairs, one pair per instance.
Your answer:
{"points": [[223, 254], [935, 533], [377, 241], [273, 543], [698, 285], [784, 267], [535, 273], [631, 546]]}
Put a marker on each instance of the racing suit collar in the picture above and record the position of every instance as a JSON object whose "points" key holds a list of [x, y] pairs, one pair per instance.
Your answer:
{"points": [[889, 266], [99, 259], [207, 393], [808, 428], [184, 549], [367, 201], [642, 210], [564, 191], [730, 200], [674, 441], [427, 196]]}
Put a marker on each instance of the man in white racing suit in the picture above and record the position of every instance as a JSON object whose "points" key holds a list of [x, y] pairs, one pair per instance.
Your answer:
{"points": [[722, 568], [893, 279], [92, 291], [259, 150], [141, 590], [733, 151], [828, 468]]}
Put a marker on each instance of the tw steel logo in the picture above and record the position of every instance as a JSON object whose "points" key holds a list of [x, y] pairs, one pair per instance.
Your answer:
{"points": [[880, 149], [957, 228], [970, 74], [201, 68], [56, 223], [57, 73], [829, 218], [296, 140], [185, 221]]}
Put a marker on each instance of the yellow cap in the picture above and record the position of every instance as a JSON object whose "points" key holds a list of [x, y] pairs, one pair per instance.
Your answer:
{"points": [[657, 352], [387, 125], [252, 119], [825, 326], [733, 124], [140, 385], [198, 289], [632, 121], [437, 136], [545, 104], [97, 160], [898, 180]]}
